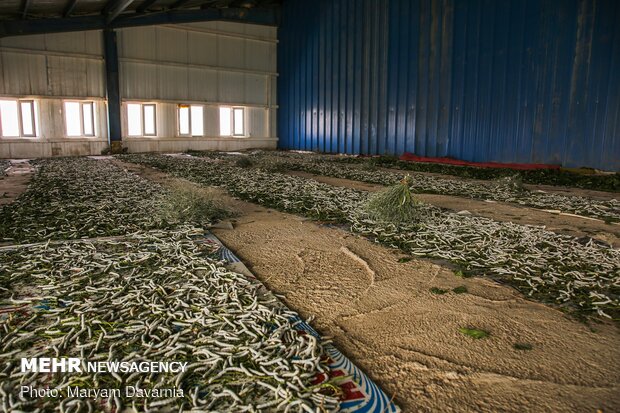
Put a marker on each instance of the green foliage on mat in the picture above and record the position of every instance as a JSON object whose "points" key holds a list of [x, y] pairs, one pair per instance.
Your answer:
{"points": [[186, 203], [474, 333], [404, 259], [523, 346], [369, 166], [244, 162], [70, 198], [438, 291], [460, 290], [395, 204], [582, 178], [272, 165], [513, 183]]}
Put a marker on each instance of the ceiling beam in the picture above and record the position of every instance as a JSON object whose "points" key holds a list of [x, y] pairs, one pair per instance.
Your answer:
{"points": [[145, 6], [207, 3], [25, 6], [69, 8], [114, 8], [177, 4], [268, 17]]}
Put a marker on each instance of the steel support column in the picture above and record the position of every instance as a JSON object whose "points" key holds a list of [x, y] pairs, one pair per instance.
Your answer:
{"points": [[113, 88]]}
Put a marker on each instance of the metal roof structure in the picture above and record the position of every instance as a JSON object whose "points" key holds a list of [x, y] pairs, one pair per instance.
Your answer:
{"points": [[20, 17]]}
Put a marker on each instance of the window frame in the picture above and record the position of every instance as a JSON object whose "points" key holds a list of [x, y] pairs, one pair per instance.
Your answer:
{"points": [[189, 107], [92, 118], [142, 105], [189, 119], [231, 121], [81, 104], [232, 116], [20, 120]]}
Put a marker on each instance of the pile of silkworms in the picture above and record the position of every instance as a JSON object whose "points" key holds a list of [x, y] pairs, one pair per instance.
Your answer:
{"points": [[156, 296], [424, 183], [80, 197], [579, 275], [144, 294]]}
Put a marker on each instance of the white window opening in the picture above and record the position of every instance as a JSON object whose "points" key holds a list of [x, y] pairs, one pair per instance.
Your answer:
{"points": [[80, 118], [18, 118], [232, 121], [141, 119], [148, 120], [88, 119], [197, 120], [225, 122], [191, 120], [134, 119], [184, 120]]}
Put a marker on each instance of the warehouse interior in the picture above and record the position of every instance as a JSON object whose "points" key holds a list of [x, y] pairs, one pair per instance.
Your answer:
{"points": [[211, 66], [310, 206]]}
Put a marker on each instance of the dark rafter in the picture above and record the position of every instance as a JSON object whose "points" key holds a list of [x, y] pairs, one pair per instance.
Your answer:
{"points": [[69, 8], [114, 8], [177, 4], [145, 6], [21, 27], [25, 6], [208, 3]]}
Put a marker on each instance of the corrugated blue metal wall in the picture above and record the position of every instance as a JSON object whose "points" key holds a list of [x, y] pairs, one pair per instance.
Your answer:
{"points": [[480, 80]]}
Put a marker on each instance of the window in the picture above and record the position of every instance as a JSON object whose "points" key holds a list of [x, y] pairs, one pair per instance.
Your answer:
{"points": [[141, 119], [238, 118], [80, 118], [232, 121], [225, 123], [191, 120], [18, 118], [197, 122], [184, 120]]}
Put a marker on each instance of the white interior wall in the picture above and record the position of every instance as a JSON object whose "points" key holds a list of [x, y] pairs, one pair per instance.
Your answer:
{"points": [[211, 63], [51, 68], [52, 139]]}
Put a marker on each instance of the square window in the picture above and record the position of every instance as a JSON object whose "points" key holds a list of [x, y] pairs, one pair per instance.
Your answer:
{"points": [[18, 118], [232, 121], [141, 119], [80, 118], [191, 120]]}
